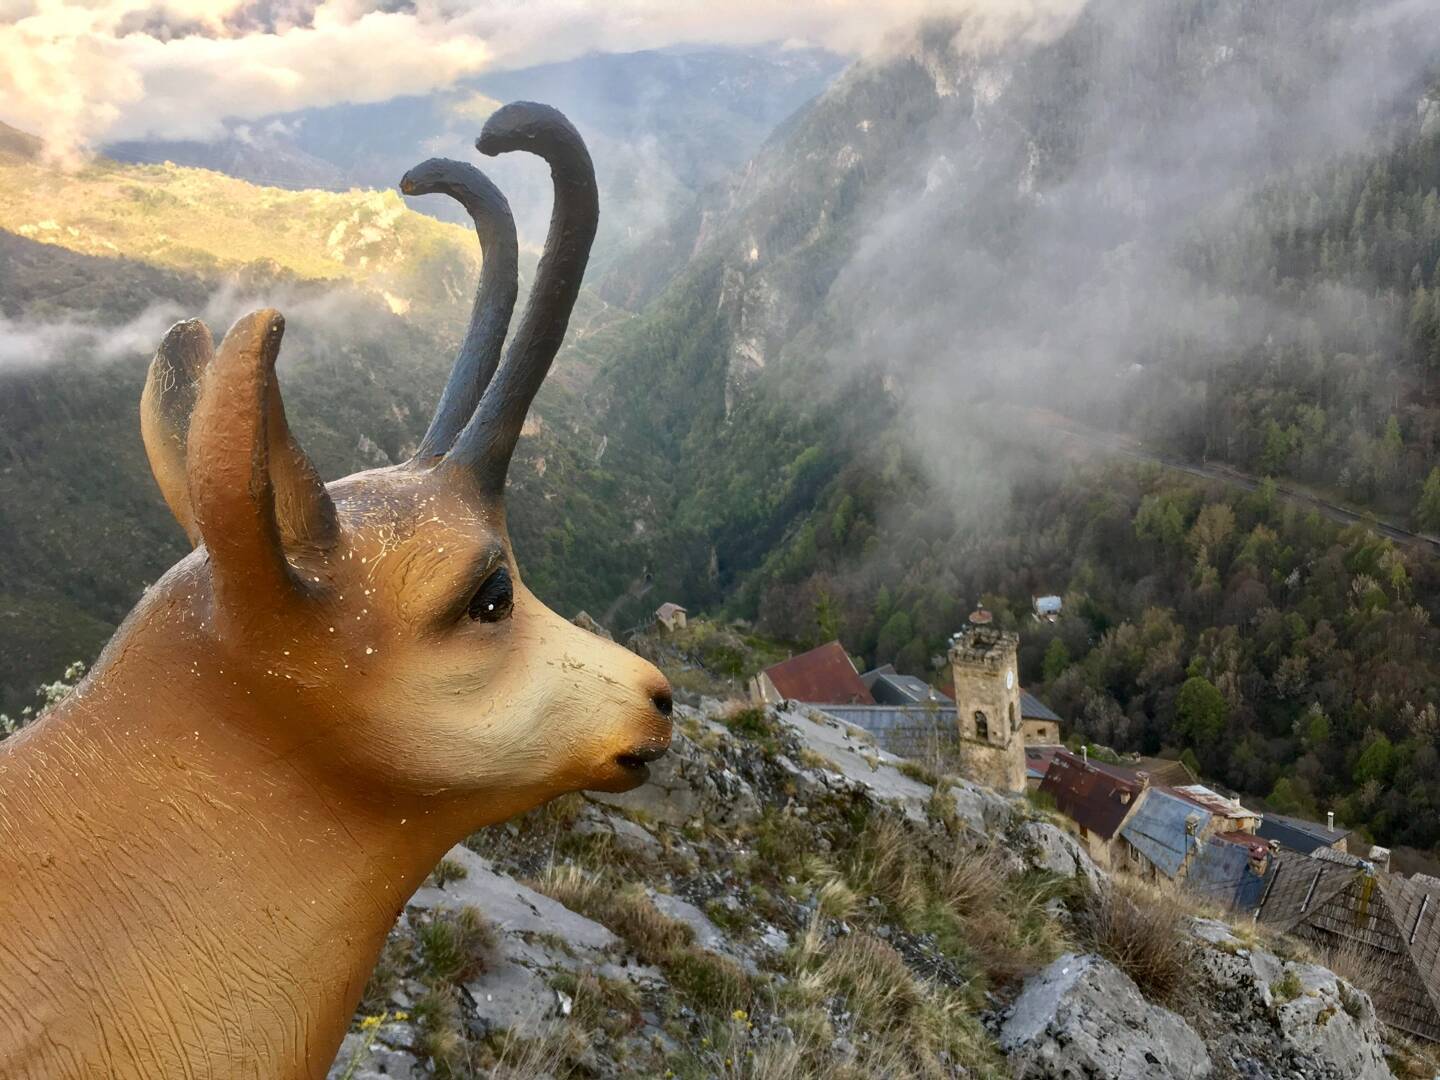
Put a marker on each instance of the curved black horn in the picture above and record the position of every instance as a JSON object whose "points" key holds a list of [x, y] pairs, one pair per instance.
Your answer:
{"points": [[485, 446], [494, 301]]}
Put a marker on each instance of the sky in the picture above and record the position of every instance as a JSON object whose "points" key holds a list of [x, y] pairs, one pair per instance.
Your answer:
{"points": [[79, 74]]}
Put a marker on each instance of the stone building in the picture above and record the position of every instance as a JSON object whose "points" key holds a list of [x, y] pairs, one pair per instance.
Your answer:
{"points": [[823, 676], [671, 616], [1098, 799], [987, 703], [1038, 722]]}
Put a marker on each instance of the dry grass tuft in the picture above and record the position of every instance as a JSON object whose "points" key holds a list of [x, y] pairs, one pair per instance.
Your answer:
{"points": [[874, 980], [1413, 1059], [974, 881], [569, 884], [439, 1036], [455, 946], [446, 871], [1144, 931], [709, 982], [885, 864]]}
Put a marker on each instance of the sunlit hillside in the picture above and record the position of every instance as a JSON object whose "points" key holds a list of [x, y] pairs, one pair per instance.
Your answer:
{"points": [[204, 222], [95, 264]]}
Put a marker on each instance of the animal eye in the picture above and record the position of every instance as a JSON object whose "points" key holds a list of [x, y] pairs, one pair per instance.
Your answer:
{"points": [[494, 599]]}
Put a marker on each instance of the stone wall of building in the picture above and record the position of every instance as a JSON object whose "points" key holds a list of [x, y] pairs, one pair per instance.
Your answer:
{"points": [[987, 702], [1041, 731]]}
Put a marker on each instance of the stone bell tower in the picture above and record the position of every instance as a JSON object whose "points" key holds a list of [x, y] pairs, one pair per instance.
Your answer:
{"points": [[987, 701]]}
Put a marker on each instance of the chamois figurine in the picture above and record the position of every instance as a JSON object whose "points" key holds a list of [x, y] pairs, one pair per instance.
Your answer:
{"points": [[203, 847]]}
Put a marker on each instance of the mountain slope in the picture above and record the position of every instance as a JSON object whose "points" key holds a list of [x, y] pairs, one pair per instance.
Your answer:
{"points": [[661, 125], [1211, 226]]}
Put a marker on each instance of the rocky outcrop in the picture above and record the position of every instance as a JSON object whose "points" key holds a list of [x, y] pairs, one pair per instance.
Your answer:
{"points": [[1082, 1017], [1279, 1019], [1052, 848], [664, 913]]}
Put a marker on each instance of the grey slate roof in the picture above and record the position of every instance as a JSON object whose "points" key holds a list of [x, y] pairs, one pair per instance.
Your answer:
{"points": [[1032, 708], [1297, 834], [891, 688], [1222, 872], [1161, 830], [879, 719], [1373, 922]]}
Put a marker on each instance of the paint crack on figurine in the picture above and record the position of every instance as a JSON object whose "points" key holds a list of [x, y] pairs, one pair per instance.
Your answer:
{"points": [[202, 850]]}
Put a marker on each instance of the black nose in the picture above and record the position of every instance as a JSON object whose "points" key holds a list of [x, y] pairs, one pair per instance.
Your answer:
{"points": [[664, 702]]}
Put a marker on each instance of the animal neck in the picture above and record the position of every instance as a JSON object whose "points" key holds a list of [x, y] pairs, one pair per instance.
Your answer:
{"points": [[197, 904]]}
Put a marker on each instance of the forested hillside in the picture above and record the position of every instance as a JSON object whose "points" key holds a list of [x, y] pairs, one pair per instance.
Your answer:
{"points": [[1208, 227], [661, 125]]}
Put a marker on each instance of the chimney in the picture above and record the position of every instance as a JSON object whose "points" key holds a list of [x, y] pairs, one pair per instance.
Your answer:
{"points": [[1330, 821], [1085, 753], [1380, 858]]}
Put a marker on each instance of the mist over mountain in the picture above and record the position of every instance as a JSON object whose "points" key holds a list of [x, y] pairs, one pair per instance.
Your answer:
{"points": [[1204, 231], [661, 125]]}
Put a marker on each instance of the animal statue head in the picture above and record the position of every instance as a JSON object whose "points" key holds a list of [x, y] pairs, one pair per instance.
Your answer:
{"points": [[380, 624]]}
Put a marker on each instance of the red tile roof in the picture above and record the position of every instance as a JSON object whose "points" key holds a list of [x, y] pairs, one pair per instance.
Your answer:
{"points": [[822, 676], [1097, 798]]}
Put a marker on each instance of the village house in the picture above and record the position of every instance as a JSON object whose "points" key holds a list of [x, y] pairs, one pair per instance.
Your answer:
{"points": [[823, 676], [1047, 608], [1162, 836], [1226, 813], [1297, 834], [1038, 724], [671, 616], [1038, 759], [1098, 799], [889, 687], [1175, 829], [988, 722], [1164, 772], [1380, 928], [1230, 871]]}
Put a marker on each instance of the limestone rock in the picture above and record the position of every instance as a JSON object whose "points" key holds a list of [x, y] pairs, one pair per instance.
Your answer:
{"points": [[858, 760], [1049, 847], [586, 621], [1325, 1029], [1084, 1017], [511, 906], [374, 1060]]}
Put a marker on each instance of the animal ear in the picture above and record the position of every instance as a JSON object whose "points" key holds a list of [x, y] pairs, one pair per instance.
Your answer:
{"points": [[245, 471], [171, 388], [303, 509]]}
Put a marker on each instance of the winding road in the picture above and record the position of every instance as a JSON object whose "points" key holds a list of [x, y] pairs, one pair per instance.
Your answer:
{"points": [[1226, 475]]}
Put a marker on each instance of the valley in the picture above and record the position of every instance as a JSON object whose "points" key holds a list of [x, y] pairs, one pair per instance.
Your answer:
{"points": [[791, 405]]}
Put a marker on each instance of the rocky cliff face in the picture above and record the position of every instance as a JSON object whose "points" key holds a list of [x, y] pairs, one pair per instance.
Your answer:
{"points": [[783, 899]]}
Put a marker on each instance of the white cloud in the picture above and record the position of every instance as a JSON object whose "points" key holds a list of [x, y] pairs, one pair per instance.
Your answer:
{"points": [[81, 71], [26, 343]]}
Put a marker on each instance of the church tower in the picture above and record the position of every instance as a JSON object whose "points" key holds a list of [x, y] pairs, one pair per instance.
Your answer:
{"points": [[983, 659]]}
